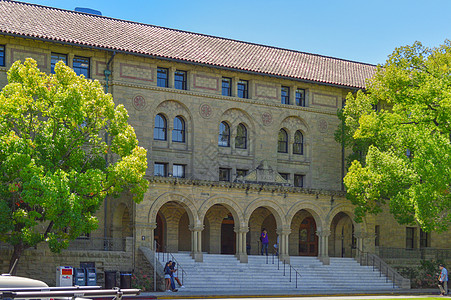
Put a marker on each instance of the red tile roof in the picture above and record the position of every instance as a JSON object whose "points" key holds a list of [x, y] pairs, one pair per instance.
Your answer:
{"points": [[35, 21]]}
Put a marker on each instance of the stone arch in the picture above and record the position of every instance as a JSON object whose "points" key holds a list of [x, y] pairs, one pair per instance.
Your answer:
{"points": [[187, 204], [234, 116], [313, 209], [231, 205], [294, 123], [122, 214], [348, 210], [173, 108], [271, 205]]}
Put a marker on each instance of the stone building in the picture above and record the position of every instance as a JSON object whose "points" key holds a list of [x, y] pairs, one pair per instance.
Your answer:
{"points": [[240, 136]]}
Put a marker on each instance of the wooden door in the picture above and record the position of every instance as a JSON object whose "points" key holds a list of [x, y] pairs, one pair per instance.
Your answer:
{"points": [[308, 240]]}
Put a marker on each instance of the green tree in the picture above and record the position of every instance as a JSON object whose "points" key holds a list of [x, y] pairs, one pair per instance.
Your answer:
{"points": [[52, 156], [399, 129]]}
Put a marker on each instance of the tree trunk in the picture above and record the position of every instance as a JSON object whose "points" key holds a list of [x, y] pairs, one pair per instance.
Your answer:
{"points": [[18, 249]]}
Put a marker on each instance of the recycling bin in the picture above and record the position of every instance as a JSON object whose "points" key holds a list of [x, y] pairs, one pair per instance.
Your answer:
{"points": [[79, 276], [91, 277], [110, 279]]}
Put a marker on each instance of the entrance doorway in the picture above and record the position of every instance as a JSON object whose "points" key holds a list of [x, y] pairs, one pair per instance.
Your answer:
{"points": [[159, 234], [308, 240], [228, 236]]}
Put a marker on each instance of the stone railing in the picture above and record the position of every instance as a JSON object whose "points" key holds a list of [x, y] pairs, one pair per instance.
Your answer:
{"points": [[421, 253]]}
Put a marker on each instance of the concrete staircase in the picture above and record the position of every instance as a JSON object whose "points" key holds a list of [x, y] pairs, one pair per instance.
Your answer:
{"points": [[224, 273]]}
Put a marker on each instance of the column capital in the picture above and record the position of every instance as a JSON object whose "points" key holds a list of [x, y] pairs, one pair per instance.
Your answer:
{"points": [[323, 233], [283, 231], [146, 225], [241, 229], [196, 227]]}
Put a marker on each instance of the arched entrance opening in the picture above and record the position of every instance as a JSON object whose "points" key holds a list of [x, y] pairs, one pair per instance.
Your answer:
{"points": [[261, 218], [219, 230], [126, 224], [303, 237], [228, 236], [342, 241], [159, 233], [121, 226], [172, 232]]}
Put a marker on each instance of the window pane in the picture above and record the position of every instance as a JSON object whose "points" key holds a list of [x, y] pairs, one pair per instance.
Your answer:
{"points": [[282, 146], [180, 80], [226, 86], [298, 180], [56, 57], [241, 137], [224, 174], [178, 133], [160, 169], [242, 89], [2, 56], [224, 135], [162, 77], [159, 132], [178, 171], [298, 145], [285, 95], [300, 97], [81, 66], [241, 172]]}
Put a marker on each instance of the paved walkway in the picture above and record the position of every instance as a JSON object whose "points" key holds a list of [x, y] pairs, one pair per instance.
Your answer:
{"points": [[400, 294]]}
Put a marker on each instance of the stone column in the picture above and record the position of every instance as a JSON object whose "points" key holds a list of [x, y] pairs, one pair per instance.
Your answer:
{"points": [[196, 243], [241, 253], [284, 244], [171, 72], [323, 246]]}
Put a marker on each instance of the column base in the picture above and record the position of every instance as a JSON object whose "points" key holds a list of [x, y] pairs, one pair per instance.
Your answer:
{"points": [[284, 257], [324, 259], [242, 257], [198, 257]]}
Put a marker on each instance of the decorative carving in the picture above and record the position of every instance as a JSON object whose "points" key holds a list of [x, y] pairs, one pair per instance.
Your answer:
{"points": [[322, 125], [264, 174], [205, 111], [139, 103], [266, 119]]}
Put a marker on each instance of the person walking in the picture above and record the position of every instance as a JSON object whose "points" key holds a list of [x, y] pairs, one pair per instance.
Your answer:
{"points": [[174, 275], [443, 280], [265, 241]]}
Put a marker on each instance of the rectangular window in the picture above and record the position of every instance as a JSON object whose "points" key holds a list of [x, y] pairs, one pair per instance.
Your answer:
{"points": [[56, 57], [241, 172], [285, 95], [224, 174], [298, 180], [162, 77], [81, 66], [2, 55], [226, 86], [424, 239], [160, 169], [285, 176], [180, 80], [300, 97], [242, 89], [377, 232], [178, 171], [410, 237]]}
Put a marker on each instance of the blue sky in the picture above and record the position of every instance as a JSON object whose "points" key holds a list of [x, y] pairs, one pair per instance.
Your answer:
{"points": [[364, 31]]}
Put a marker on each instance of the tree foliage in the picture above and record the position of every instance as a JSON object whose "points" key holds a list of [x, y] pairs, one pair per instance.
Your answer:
{"points": [[52, 156], [400, 127]]}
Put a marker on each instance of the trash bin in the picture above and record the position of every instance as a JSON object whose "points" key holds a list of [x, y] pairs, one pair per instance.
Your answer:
{"points": [[110, 279], [91, 277], [79, 277], [126, 280]]}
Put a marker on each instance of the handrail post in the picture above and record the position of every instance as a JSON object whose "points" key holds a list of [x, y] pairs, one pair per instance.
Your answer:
{"points": [[296, 280], [290, 273], [278, 261], [283, 267]]}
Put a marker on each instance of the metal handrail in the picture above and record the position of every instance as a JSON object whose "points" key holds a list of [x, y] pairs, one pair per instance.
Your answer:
{"points": [[369, 259], [273, 254], [164, 251], [292, 268]]}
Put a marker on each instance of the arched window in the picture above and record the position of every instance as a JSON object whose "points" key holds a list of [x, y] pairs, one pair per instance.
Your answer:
{"points": [[159, 132], [224, 135], [298, 146], [241, 137], [178, 133], [282, 141]]}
